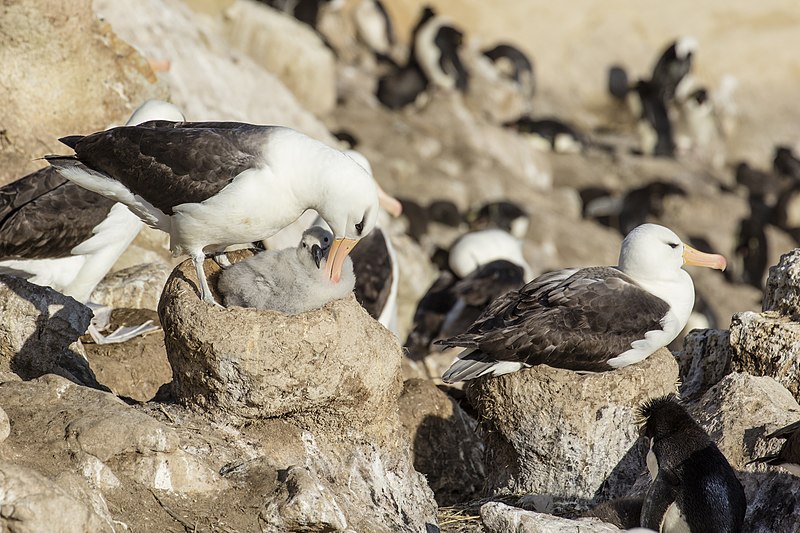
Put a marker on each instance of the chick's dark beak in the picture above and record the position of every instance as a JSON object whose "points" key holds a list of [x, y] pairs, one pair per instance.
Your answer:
{"points": [[317, 254]]}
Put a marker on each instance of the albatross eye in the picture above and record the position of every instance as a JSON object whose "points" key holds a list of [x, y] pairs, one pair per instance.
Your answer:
{"points": [[360, 226], [673, 244]]}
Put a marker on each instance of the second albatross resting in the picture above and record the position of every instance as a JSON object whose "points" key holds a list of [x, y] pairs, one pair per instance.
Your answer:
{"points": [[210, 185], [590, 319]]}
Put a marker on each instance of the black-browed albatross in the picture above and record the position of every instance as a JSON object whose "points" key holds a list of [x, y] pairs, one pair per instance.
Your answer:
{"points": [[215, 184], [55, 233], [590, 319]]}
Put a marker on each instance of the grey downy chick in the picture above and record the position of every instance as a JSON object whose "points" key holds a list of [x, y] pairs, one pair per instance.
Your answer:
{"points": [[291, 280]]}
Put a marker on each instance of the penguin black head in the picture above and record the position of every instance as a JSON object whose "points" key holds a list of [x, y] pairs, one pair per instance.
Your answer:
{"points": [[444, 212], [664, 416]]}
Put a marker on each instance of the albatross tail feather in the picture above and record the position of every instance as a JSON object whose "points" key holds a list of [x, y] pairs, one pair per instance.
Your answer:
{"points": [[473, 364]]}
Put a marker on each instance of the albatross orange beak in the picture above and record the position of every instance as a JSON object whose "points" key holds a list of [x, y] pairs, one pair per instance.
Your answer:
{"points": [[336, 256], [697, 258], [389, 203]]}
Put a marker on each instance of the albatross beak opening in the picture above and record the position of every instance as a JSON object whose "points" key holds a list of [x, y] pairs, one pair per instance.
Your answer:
{"points": [[389, 203], [697, 258], [336, 256]]}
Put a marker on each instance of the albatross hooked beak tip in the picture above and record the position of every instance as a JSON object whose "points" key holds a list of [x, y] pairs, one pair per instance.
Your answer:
{"points": [[338, 252], [697, 258]]}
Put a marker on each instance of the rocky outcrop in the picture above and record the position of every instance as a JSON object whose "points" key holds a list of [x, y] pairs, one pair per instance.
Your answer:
{"points": [[287, 48], [207, 80], [704, 360], [445, 446], [500, 518], [39, 330], [768, 343], [331, 375], [35, 38], [554, 431], [96, 434], [30, 502]]}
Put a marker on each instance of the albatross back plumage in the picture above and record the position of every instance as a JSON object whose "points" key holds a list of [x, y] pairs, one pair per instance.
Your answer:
{"points": [[588, 319]]}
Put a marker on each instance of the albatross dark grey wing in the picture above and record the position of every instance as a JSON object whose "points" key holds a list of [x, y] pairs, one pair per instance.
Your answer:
{"points": [[44, 216], [576, 319], [172, 163]]}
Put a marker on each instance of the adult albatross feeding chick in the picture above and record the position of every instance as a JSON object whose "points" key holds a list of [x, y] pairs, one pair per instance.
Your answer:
{"points": [[590, 319], [215, 184]]}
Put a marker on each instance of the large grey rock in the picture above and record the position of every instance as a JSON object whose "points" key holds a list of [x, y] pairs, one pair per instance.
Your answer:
{"points": [[135, 287], [445, 446], [287, 48], [782, 293], [39, 37], [554, 431], [767, 344], [332, 376], [738, 413], [5, 425], [95, 433], [38, 332], [207, 79], [30, 503], [501, 518], [704, 360], [335, 364]]}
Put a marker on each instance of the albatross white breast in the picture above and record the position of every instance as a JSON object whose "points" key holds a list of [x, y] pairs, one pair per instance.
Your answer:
{"points": [[215, 184], [590, 319]]}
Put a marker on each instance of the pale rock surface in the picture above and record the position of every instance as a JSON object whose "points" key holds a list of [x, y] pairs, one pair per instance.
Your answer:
{"points": [[5, 425], [287, 48], [501, 518], [782, 293], [207, 80], [38, 332], [98, 435], [135, 287], [554, 431], [445, 446], [738, 413], [704, 360], [302, 503], [31, 503], [36, 36], [767, 344], [259, 364]]}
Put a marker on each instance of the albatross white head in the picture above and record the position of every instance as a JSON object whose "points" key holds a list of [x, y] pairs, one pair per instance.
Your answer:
{"points": [[350, 208], [654, 252]]}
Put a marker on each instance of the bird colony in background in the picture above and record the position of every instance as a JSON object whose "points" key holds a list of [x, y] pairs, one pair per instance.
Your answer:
{"points": [[214, 185]]}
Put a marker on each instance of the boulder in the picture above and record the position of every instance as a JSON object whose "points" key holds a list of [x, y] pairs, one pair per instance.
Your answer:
{"points": [[767, 344], [704, 360], [206, 78], [782, 293], [36, 36], [331, 376], [446, 448], [39, 331], [95, 433], [30, 503], [334, 365], [287, 48], [135, 287], [501, 518], [554, 431]]}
